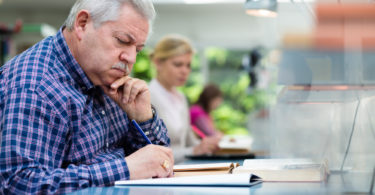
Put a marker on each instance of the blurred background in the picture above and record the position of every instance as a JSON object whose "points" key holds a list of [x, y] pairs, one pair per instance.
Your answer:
{"points": [[223, 35]]}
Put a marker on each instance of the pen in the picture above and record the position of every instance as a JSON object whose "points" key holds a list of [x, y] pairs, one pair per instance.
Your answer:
{"points": [[140, 131], [165, 164], [198, 132]]}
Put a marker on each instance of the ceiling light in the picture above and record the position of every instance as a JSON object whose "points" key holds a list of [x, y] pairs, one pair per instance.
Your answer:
{"points": [[262, 8]]}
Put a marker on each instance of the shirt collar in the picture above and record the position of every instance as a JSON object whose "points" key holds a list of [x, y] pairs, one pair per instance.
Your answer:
{"points": [[66, 58]]}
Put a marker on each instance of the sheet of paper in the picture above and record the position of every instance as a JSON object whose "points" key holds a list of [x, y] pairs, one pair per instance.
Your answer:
{"points": [[205, 180]]}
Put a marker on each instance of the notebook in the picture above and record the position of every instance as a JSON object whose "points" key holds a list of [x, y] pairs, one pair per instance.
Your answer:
{"points": [[222, 180], [270, 170]]}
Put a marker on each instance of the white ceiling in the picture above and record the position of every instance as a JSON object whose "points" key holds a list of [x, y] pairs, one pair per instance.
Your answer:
{"points": [[227, 25], [222, 24]]}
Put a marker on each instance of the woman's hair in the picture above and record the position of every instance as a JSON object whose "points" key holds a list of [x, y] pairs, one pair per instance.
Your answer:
{"points": [[171, 46], [108, 10], [209, 93]]}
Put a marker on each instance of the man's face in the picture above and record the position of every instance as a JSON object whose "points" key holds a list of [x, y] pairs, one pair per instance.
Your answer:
{"points": [[104, 51]]}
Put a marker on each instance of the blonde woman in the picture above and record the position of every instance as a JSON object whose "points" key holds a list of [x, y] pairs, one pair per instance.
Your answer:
{"points": [[172, 57]]}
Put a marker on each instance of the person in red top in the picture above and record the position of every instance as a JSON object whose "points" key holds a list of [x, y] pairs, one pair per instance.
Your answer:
{"points": [[209, 100]]}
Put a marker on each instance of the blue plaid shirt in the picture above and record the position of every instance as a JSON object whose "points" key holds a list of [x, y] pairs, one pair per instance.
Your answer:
{"points": [[59, 132]]}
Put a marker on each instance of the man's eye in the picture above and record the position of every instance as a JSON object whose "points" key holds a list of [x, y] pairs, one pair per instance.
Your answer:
{"points": [[121, 41]]}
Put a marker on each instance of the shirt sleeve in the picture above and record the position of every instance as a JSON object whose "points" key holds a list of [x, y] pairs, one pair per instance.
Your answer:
{"points": [[203, 124], [154, 129], [34, 140]]}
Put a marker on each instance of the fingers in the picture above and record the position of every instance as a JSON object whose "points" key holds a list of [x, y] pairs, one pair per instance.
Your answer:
{"points": [[130, 88], [167, 161], [137, 88], [209, 145], [127, 87], [150, 161], [214, 141], [165, 168], [209, 149], [168, 152]]}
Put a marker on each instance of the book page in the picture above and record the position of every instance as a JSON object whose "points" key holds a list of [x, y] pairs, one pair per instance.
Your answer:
{"points": [[276, 164], [205, 180], [284, 170]]}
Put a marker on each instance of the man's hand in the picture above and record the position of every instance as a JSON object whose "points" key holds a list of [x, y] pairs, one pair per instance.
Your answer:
{"points": [[133, 96], [148, 162], [208, 145]]}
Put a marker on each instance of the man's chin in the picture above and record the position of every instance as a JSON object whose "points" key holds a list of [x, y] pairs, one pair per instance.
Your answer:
{"points": [[106, 85], [110, 81]]}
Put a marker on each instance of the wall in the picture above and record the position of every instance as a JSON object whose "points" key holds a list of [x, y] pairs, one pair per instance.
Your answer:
{"points": [[221, 25]]}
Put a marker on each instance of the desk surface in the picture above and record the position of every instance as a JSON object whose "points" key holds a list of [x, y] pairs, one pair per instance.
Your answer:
{"points": [[337, 183]]}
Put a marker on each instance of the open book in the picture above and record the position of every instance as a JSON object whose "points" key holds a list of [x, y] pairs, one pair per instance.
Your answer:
{"points": [[285, 170], [203, 169], [269, 170], [213, 174]]}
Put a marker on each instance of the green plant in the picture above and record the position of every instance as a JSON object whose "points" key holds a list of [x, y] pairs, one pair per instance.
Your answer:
{"points": [[143, 69]]}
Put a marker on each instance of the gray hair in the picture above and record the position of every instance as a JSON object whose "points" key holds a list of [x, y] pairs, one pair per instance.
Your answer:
{"points": [[108, 10]]}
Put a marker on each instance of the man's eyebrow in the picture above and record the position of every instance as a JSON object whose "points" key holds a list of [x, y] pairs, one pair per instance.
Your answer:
{"points": [[131, 37]]}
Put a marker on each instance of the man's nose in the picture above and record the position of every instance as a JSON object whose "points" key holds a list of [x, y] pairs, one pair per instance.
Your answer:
{"points": [[129, 56]]}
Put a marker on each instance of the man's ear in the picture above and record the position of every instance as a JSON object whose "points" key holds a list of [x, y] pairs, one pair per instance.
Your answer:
{"points": [[81, 22]]}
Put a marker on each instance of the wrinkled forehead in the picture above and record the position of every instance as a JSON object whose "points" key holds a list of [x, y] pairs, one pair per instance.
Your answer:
{"points": [[131, 23]]}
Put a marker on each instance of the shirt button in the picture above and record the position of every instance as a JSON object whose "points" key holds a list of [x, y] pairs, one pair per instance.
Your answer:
{"points": [[103, 112]]}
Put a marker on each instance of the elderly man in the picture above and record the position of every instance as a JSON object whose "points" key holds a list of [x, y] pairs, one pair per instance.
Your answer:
{"points": [[67, 102]]}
